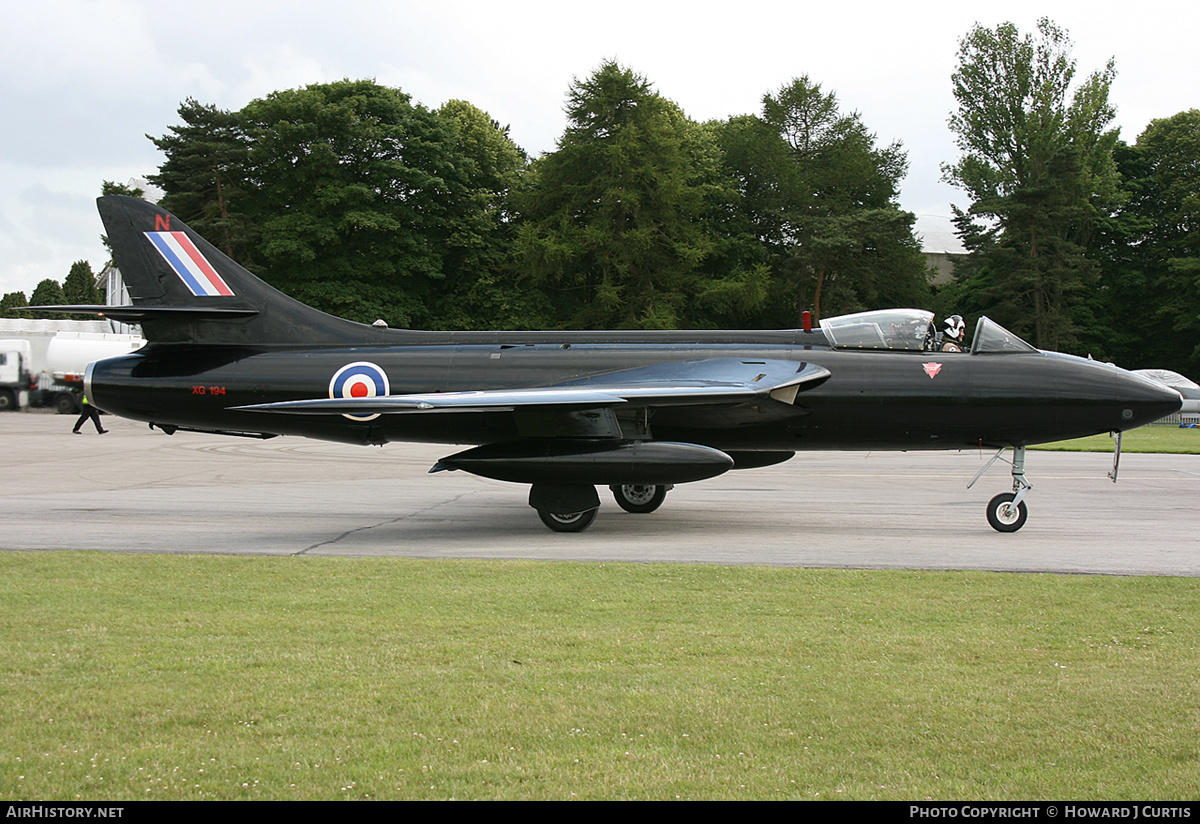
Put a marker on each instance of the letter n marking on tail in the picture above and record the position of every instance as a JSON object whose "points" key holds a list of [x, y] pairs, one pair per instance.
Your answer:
{"points": [[162, 223]]}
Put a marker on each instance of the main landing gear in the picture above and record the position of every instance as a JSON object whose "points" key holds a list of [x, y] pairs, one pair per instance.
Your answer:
{"points": [[1007, 511], [637, 498], [640, 498], [568, 522]]}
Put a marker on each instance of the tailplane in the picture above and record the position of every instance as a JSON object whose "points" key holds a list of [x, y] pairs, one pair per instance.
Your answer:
{"points": [[185, 290]]}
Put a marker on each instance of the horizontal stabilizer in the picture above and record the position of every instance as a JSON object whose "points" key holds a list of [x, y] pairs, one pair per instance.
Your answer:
{"points": [[137, 314]]}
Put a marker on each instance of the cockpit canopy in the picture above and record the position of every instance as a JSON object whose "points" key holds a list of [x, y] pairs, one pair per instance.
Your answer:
{"points": [[880, 329], [912, 330], [993, 338]]}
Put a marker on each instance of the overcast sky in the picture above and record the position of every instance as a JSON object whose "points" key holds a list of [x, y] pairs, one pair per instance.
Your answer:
{"points": [[83, 81]]}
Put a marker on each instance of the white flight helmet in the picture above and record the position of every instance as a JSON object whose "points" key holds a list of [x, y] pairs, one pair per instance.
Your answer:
{"points": [[954, 327]]}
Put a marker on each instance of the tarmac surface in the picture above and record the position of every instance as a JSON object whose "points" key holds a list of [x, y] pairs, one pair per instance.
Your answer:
{"points": [[138, 490]]}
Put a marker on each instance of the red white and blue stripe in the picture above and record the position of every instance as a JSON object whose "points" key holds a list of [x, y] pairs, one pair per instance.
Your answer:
{"points": [[182, 255]]}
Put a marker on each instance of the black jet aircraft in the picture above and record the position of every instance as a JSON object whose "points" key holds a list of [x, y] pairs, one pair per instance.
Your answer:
{"points": [[565, 412]]}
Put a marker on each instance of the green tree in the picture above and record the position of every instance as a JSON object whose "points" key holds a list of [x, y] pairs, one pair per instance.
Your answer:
{"points": [[820, 196], [48, 293], [355, 200], [1151, 250], [1172, 147], [614, 218], [753, 277], [203, 173], [109, 187], [479, 262], [80, 285], [1037, 161], [11, 304], [351, 188]]}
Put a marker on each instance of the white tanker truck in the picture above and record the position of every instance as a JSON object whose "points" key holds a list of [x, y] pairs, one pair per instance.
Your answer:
{"points": [[42, 361]]}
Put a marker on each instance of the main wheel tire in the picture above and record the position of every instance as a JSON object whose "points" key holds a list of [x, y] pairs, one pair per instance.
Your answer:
{"points": [[65, 404], [7, 400], [1003, 516], [567, 521], [639, 498]]}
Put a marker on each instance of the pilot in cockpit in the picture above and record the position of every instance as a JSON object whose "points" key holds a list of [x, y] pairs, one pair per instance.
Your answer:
{"points": [[954, 331]]}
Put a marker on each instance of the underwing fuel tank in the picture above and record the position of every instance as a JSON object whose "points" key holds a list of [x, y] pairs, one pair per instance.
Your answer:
{"points": [[590, 462]]}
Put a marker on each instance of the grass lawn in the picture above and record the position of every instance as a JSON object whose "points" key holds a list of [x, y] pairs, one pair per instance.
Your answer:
{"points": [[1166, 439], [210, 677]]}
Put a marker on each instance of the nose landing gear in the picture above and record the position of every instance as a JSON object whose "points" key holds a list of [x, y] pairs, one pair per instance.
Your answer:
{"points": [[1004, 515], [1007, 511]]}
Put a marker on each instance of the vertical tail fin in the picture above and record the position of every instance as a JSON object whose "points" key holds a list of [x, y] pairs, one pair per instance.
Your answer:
{"points": [[185, 290]]}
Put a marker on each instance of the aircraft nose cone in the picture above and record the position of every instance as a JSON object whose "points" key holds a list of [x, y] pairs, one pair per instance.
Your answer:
{"points": [[1142, 400]]}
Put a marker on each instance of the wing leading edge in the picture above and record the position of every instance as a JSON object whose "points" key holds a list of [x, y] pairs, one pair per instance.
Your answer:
{"points": [[688, 383]]}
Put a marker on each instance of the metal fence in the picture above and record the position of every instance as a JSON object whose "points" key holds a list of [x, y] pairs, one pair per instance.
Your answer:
{"points": [[1189, 420]]}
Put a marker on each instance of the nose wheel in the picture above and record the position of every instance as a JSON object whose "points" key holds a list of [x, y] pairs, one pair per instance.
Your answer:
{"points": [[1007, 511], [1004, 515]]}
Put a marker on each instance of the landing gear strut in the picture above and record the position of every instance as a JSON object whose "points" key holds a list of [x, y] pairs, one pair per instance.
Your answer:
{"points": [[1007, 511]]}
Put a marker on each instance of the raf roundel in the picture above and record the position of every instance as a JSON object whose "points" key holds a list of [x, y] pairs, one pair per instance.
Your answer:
{"points": [[359, 380]]}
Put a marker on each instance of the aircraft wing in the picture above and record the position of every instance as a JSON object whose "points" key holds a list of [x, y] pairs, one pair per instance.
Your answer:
{"points": [[690, 383]]}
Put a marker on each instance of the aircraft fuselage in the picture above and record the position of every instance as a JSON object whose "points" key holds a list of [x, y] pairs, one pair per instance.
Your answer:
{"points": [[872, 400]]}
